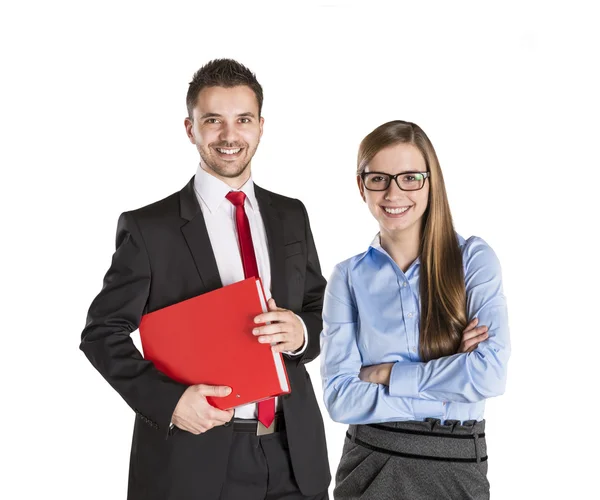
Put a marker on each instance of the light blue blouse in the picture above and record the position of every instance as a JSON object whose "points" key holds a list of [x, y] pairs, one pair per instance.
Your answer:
{"points": [[371, 315]]}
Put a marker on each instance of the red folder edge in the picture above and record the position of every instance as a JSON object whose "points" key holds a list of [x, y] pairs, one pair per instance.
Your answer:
{"points": [[277, 359], [277, 356]]}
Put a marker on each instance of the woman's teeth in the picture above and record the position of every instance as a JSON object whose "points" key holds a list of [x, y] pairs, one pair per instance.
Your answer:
{"points": [[396, 211]]}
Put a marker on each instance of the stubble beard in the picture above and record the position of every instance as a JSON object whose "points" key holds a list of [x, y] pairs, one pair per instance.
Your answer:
{"points": [[227, 172]]}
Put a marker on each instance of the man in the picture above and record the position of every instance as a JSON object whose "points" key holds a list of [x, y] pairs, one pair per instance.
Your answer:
{"points": [[194, 241]]}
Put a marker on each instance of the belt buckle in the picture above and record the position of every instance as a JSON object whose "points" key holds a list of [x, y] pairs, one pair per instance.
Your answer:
{"points": [[261, 430]]}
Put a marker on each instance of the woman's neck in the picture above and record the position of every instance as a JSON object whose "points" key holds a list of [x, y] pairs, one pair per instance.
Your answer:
{"points": [[402, 246]]}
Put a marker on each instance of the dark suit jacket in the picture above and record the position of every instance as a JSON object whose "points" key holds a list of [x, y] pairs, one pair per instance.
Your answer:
{"points": [[163, 256]]}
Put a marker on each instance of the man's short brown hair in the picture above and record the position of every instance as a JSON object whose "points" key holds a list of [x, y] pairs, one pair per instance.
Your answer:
{"points": [[222, 73]]}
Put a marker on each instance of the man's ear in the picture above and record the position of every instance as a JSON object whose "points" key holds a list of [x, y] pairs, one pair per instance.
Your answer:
{"points": [[189, 125]]}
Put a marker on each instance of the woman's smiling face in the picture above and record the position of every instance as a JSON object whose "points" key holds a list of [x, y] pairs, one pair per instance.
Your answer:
{"points": [[396, 210]]}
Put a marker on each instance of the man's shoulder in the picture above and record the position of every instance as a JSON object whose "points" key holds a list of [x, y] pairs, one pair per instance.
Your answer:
{"points": [[281, 202], [168, 207], [165, 207]]}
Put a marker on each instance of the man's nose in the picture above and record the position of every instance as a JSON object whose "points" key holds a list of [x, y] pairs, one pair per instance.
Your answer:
{"points": [[228, 133]]}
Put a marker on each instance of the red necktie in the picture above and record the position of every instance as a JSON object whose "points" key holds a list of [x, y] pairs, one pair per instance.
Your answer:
{"points": [[266, 409]]}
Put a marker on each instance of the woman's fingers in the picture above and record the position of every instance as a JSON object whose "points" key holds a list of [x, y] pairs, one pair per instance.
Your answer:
{"points": [[471, 326], [471, 343], [472, 335], [469, 334]]}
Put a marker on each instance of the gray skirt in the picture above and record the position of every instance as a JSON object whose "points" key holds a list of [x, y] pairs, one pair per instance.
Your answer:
{"points": [[414, 460]]}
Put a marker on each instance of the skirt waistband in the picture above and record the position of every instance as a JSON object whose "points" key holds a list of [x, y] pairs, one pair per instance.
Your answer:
{"points": [[452, 441]]}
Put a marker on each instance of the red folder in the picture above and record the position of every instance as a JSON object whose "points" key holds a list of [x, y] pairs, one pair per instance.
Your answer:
{"points": [[208, 340]]}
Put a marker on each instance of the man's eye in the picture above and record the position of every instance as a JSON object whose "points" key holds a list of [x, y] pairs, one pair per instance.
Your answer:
{"points": [[245, 120], [378, 178], [211, 120]]}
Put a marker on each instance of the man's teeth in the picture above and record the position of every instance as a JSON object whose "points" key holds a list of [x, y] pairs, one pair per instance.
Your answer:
{"points": [[396, 211], [229, 151]]}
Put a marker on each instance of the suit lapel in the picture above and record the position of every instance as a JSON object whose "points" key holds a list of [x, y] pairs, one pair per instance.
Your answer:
{"points": [[274, 231], [195, 234]]}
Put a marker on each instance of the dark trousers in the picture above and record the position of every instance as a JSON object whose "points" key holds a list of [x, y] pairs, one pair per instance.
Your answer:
{"points": [[260, 469]]}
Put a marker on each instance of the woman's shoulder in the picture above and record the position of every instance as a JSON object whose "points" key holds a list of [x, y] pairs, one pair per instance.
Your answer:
{"points": [[477, 253], [344, 267]]}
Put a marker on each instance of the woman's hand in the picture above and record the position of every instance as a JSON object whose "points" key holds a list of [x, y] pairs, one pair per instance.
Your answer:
{"points": [[376, 374], [472, 335], [380, 374]]}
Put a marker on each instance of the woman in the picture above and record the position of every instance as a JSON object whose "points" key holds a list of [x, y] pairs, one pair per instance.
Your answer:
{"points": [[415, 335]]}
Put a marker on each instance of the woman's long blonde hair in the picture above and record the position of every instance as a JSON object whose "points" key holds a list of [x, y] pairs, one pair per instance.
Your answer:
{"points": [[442, 289]]}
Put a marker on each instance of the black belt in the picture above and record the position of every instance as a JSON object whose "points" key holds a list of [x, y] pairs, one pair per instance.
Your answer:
{"points": [[418, 444], [251, 425]]}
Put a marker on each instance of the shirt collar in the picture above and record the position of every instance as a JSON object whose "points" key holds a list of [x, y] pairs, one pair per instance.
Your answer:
{"points": [[213, 190], [376, 245]]}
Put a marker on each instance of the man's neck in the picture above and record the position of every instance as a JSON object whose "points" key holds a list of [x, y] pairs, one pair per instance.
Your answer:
{"points": [[232, 182]]}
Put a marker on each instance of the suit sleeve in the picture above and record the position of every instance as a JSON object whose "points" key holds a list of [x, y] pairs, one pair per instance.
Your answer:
{"points": [[112, 316], [314, 289]]}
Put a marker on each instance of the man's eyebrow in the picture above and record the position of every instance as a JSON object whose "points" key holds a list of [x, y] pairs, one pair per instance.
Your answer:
{"points": [[210, 115], [217, 115]]}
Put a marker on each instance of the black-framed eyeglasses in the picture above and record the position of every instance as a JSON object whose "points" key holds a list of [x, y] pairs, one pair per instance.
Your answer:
{"points": [[406, 181]]}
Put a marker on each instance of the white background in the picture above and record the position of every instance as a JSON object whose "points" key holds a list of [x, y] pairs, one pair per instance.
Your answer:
{"points": [[92, 108]]}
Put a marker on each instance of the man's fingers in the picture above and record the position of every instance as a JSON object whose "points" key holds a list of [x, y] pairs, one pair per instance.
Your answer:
{"points": [[271, 329], [193, 427], [278, 315], [283, 346], [216, 391], [272, 305], [274, 339], [199, 430], [219, 417]]}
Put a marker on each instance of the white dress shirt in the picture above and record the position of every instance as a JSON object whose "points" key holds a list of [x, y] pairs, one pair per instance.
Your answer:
{"points": [[219, 216]]}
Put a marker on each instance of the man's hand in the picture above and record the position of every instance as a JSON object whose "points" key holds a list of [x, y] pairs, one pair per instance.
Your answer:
{"points": [[376, 374], [472, 335], [195, 414], [285, 330]]}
